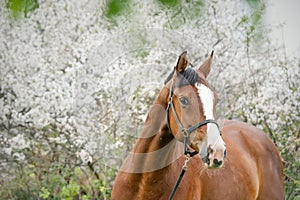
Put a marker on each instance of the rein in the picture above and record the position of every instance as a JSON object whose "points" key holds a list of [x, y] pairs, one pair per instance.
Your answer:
{"points": [[186, 131]]}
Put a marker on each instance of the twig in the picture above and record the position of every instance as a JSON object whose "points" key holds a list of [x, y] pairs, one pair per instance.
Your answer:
{"points": [[90, 165]]}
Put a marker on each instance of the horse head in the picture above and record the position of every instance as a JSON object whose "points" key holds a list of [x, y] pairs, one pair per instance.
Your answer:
{"points": [[192, 111]]}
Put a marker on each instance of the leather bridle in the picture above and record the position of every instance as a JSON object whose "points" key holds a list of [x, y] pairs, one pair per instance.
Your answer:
{"points": [[186, 132]]}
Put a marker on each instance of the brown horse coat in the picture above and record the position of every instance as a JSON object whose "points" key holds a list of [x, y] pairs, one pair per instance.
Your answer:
{"points": [[252, 168]]}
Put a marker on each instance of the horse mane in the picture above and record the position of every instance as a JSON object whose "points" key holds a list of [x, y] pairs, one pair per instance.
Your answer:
{"points": [[188, 77], [169, 77]]}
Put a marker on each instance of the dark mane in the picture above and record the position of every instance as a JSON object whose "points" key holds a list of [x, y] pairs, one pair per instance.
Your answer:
{"points": [[188, 77], [169, 77]]}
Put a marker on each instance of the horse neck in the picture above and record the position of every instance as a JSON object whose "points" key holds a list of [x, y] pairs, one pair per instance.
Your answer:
{"points": [[155, 133], [156, 147]]}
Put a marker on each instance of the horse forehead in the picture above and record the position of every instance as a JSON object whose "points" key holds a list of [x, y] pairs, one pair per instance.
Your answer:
{"points": [[190, 92], [204, 91], [198, 90], [187, 90]]}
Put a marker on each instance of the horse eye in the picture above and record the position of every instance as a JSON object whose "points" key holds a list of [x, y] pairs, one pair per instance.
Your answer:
{"points": [[183, 101]]}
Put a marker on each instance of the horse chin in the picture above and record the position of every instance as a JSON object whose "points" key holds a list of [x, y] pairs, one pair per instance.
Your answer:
{"points": [[214, 166]]}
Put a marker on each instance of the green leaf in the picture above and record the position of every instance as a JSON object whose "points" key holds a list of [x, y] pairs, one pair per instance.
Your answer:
{"points": [[116, 7], [44, 193], [20, 8]]}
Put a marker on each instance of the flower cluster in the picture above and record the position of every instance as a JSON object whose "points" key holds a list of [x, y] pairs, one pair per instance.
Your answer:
{"points": [[88, 80]]}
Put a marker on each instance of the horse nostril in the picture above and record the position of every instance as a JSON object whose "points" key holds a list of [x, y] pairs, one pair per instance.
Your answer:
{"points": [[218, 163]]}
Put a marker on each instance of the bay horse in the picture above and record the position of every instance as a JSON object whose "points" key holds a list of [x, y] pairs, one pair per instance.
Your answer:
{"points": [[232, 162]]}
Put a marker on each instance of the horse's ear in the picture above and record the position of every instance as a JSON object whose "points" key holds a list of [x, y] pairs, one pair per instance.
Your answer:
{"points": [[206, 66], [181, 63]]}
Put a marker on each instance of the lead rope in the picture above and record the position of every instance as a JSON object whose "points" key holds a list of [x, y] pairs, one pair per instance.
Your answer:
{"points": [[188, 155], [183, 170]]}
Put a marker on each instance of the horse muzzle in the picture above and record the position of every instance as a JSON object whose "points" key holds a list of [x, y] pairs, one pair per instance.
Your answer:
{"points": [[214, 157]]}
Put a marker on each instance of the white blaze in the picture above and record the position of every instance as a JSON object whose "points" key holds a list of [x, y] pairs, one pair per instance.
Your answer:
{"points": [[207, 99], [213, 134]]}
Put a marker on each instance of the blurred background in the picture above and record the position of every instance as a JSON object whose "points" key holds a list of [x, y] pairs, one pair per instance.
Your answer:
{"points": [[77, 79]]}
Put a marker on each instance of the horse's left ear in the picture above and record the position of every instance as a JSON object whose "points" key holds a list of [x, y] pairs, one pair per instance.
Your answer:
{"points": [[206, 66], [182, 63]]}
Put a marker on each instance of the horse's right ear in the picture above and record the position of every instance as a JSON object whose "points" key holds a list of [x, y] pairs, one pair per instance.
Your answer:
{"points": [[182, 63], [206, 66]]}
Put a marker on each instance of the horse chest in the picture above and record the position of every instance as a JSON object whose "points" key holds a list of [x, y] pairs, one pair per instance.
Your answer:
{"points": [[229, 183]]}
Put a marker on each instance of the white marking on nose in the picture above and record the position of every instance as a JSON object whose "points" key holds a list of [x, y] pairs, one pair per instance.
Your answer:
{"points": [[213, 134]]}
